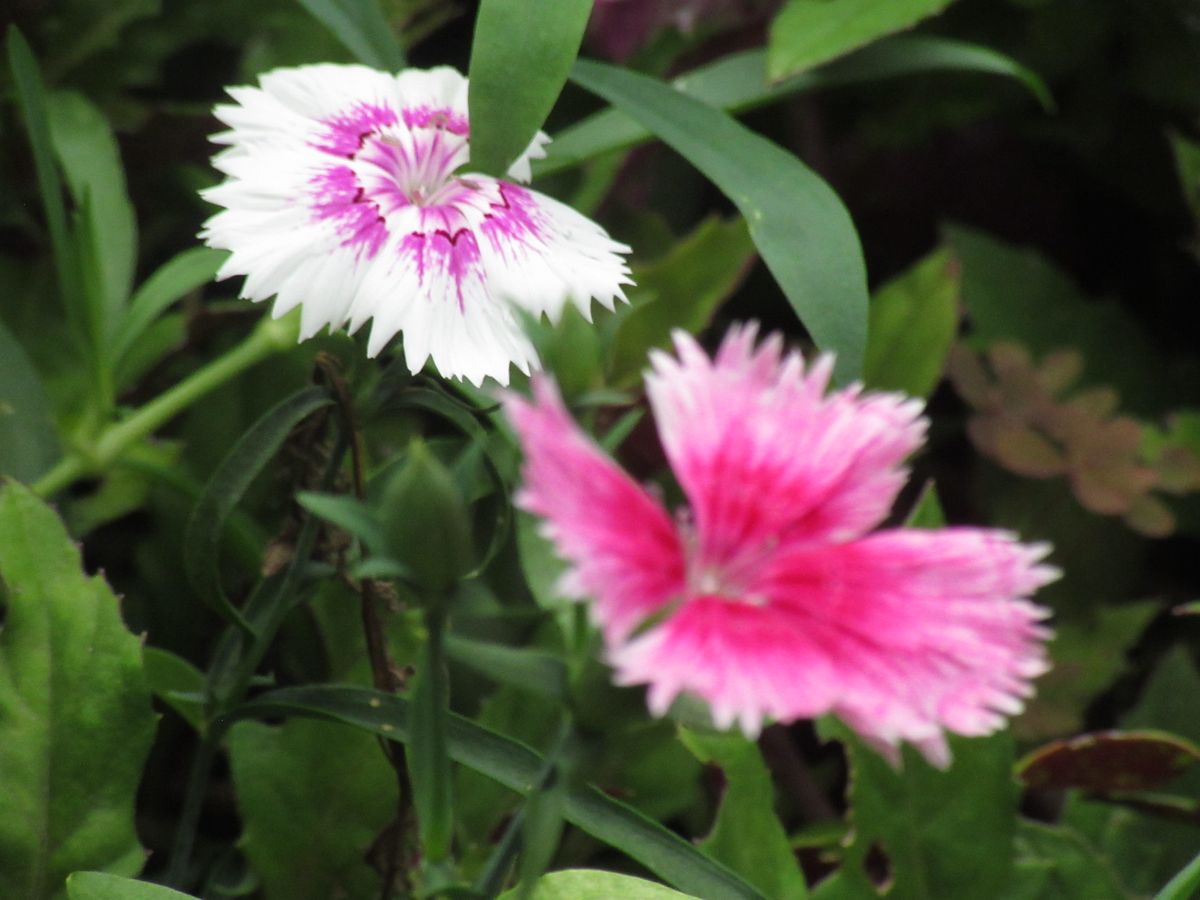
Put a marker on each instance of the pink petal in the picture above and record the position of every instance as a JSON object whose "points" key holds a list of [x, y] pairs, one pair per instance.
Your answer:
{"points": [[765, 456], [926, 630], [902, 634], [620, 543]]}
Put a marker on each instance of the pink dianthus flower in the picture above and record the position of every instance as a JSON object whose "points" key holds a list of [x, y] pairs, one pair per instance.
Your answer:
{"points": [[771, 597]]}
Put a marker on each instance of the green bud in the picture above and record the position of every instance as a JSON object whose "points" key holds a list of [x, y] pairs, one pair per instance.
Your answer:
{"points": [[425, 523]]}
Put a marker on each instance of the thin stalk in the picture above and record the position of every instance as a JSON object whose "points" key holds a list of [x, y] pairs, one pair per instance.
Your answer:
{"points": [[268, 338], [193, 802], [267, 623]]}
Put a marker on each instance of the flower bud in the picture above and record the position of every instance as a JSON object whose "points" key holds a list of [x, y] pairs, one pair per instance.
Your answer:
{"points": [[425, 522]]}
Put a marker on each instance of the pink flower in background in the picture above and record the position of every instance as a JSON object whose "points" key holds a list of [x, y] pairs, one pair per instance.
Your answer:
{"points": [[619, 27], [767, 597], [343, 197]]}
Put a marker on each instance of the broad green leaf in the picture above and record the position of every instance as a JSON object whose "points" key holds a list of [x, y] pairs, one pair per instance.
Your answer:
{"points": [[429, 755], [1144, 850], [174, 279], [1167, 699], [529, 669], [520, 58], [227, 485], [31, 98], [177, 683], [91, 162], [75, 717], [594, 884], [363, 30], [738, 83], [102, 886], [913, 321], [313, 797], [801, 228], [747, 835], [1055, 863], [944, 833], [28, 442], [682, 290], [517, 767], [807, 33]]}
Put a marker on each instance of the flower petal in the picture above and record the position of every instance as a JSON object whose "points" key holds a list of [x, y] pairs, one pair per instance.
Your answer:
{"points": [[540, 254], [927, 630], [765, 456], [621, 545], [902, 634], [341, 199]]}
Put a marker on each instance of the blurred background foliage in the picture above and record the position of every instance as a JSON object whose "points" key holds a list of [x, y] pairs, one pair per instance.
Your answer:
{"points": [[1033, 272]]}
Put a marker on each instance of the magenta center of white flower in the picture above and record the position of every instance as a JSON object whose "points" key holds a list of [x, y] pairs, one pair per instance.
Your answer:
{"points": [[384, 162]]}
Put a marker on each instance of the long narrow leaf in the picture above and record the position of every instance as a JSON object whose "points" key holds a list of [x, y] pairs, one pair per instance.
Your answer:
{"points": [[801, 228], [226, 487], [738, 83], [520, 59], [531, 670], [1184, 885], [86, 148], [176, 277], [806, 34], [518, 768], [31, 97], [363, 30]]}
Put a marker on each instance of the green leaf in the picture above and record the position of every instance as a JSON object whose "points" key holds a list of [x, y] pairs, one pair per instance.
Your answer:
{"points": [[91, 162], [225, 488], [363, 30], [517, 767], [683, 290], [1015, 293], [429, 755], [174, 279], [101, 886], [944, 833], [594, 884], [807, 33], [747, 835], [349, 514], [913, 321], [177, 683], [738, 83], [1143, 849], [531, 670], [801, 228], [1183, 886], [520, 58], [1055, 863], [75, 716], [1088, 656], [313, 796], [1167, 699], [31, 98], [28, 442]]}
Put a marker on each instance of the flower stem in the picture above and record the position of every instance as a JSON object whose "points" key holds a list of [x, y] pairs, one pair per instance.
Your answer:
{"points": [[270, 336]]}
